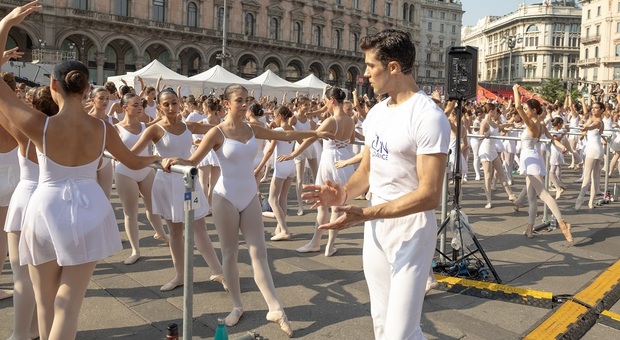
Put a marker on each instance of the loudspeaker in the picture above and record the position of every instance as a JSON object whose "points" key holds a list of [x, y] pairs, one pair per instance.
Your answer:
{"points": [[462, 72]]}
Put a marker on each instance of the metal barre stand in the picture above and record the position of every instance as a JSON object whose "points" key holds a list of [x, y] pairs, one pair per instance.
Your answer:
{"points": [[189, 177]]}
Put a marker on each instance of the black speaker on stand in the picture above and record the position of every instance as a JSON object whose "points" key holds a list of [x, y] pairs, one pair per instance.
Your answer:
{"points": [[462, 83]]}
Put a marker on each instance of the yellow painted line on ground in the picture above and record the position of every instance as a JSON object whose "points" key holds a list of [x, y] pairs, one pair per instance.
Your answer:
{"points": [[449, 280], [602, 285], [611, 315], [559, 322]]}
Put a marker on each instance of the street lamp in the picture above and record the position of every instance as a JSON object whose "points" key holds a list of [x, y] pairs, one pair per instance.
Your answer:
{"points": [[511, 41]]}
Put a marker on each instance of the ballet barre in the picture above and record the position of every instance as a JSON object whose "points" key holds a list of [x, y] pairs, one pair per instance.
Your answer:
{"points": [[189, 177]]}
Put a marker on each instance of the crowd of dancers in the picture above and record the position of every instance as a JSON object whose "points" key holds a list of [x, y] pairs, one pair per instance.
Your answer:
{"points": [[233, 139]]}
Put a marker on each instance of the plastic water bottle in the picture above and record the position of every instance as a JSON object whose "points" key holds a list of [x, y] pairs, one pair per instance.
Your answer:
{"points": [[172, 332], [221, 333], [554, 223]]}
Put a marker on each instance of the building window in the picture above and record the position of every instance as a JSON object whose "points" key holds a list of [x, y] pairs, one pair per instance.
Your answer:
{"points": [[249, 24], [316, 35], [598, 11], [453, 43], [617, 50], [440, 43], [596, 52], [430, 26], [159, 7], [405, 11], [588, 16], [429, 42], [575, 28], [411, 12], [274, 27], [439, 74], [586, 56], [598, 30], [430, 14], [453, 28], [81, 4], [356, 4], [587, 32], [618, 27], [297, 32], [428, 57], [532, 28], [373, 5], [192, 15], [441, 28], [441, 57], [355, 41], [388, 9], [220, 18], [595, 74], [428, 73], [337, 38], [616, 72], [121, 7], [442, 15], [453, 16]]}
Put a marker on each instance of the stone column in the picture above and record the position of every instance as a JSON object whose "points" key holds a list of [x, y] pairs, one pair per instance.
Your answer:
{"points": [[100, 61], [139, 62]]}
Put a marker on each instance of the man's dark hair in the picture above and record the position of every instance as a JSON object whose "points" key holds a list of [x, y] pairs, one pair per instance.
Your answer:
{"points": [[391, 45]]}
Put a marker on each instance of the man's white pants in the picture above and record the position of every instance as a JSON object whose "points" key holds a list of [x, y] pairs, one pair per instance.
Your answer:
{"points": [[397, 258]]}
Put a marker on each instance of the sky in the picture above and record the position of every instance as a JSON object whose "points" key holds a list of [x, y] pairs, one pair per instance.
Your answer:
{"points": [[476, 9]]}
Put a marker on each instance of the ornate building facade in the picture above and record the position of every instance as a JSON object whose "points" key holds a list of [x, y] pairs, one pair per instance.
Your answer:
{"points": [[600, 37], [533, 43], [293, 38]]}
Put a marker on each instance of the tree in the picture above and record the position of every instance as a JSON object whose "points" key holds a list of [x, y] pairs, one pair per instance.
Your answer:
{"points": [[552, 90]]}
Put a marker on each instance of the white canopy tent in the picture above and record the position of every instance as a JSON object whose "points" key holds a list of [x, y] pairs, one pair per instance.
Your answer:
{"points": [[312, 85], [150, 73], [215, 79], [272, 85]]}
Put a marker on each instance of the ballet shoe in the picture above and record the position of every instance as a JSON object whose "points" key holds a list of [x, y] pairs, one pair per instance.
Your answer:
{"points": [[559, 193], [132, 259], [572, 166], [330, 251], [5, 294], [282, 321], [488, 206], [163, 238], [300, 212], [170, 286], [477, 178], [528, 235], [515, 207], [281, 237], [308, 248], [512, 198], [565, 227], [430, 285], [591, 205], [219, 278], [234, 316], [578, 202]]}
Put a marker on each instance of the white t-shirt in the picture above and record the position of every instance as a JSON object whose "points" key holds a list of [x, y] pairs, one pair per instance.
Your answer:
{"points": [[395, 136]]}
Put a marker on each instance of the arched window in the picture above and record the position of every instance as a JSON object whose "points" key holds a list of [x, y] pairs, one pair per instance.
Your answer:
{"points": [[336, 43], [249, 24], [355, 41], [596, 52], [586, 54], [405, 11], [297, 32], [618, 50], [532, 28], [159, 10], [274, 27], [192, 15], [316, 35], [411, 13]]}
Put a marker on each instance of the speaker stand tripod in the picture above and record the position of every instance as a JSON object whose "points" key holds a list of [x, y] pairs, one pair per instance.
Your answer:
{"points": [[456, 217]]}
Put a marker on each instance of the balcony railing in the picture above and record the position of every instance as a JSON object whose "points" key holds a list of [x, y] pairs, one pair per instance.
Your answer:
{"points": [[611, 60], [590, 61], [590, 40], [49, 56]]}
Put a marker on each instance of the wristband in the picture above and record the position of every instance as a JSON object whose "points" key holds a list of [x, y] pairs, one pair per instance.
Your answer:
{"points": [[346, 195]]}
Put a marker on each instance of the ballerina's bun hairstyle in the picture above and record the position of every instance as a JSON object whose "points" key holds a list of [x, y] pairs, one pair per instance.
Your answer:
{"points": [[72, 76]]}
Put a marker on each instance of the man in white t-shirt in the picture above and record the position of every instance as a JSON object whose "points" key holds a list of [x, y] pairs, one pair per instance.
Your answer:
{"points": [[403, 165]]}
